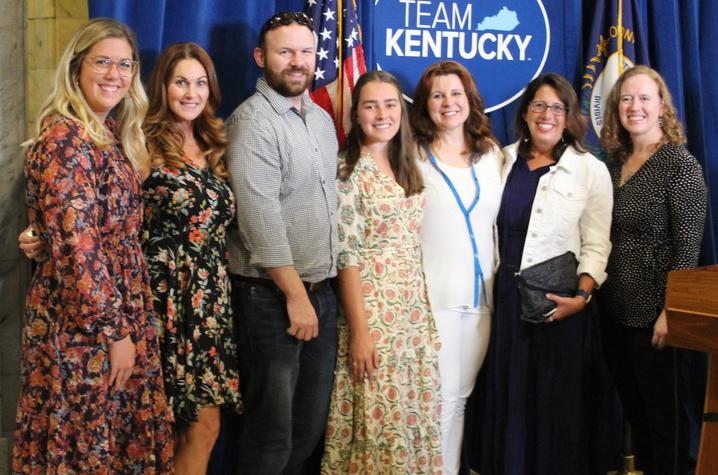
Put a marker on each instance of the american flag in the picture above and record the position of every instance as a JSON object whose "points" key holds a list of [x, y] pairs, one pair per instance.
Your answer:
{"points": [[325, 91]]}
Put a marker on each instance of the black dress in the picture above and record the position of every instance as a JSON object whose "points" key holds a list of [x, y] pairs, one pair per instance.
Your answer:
{"points": [[539, 377], [658, 218], [187, 212]]}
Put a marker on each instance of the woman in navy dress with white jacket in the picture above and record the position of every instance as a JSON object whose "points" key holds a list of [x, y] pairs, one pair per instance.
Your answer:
{"points": [[541, 378]]}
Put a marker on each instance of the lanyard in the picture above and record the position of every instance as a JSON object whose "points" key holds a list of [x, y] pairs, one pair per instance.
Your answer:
{"points": [[478, 274]]}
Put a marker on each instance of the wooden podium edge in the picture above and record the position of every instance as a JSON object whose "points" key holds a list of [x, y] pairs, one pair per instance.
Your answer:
{"points": [[692, 325]]}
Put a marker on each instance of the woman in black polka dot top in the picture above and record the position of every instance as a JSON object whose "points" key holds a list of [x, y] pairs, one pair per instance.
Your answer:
{"points": [[658, 217]]}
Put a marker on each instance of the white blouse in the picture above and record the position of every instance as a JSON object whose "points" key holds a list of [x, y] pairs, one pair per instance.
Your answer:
{"points": [[445, 242]]}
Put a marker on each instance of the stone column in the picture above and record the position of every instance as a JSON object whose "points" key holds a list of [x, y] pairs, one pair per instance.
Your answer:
{"points": [[33, 34], [13, 266]]}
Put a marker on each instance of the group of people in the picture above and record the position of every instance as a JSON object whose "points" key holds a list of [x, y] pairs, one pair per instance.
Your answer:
{"points": [[179, 255]]}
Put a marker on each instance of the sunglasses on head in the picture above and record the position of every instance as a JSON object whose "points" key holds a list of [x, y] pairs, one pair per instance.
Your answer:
{"points": [[287, 18]]}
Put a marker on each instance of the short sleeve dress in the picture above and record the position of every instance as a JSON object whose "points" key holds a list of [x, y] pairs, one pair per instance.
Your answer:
{"points": [[90, 288], [187, 212], [392, 427]]}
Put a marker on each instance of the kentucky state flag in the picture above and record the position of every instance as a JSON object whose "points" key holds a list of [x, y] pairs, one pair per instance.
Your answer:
{"points": [[617, 42]]}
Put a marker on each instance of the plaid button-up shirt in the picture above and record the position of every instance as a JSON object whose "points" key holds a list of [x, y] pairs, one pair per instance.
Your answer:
{"points": [[283, 166]]}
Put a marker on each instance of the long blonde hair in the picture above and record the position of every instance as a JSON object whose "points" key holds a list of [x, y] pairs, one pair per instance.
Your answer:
{"points": [[615, 139], [67, 99]]}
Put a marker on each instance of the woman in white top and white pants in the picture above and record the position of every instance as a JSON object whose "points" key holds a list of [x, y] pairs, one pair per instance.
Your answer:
{"points": [[461, 166]]}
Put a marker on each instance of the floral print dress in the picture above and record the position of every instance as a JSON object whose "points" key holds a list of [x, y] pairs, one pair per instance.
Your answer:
{"points": [[90, 288], [187, 212], [391, 427]]}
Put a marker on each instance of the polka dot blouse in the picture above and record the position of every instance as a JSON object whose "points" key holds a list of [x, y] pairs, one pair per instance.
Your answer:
{"points": [[658, 219]]}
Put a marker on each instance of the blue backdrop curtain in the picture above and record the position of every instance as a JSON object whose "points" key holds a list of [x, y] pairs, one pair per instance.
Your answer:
{"points": [[682, 46], [227, 29], [682, 37], [682, 41]]}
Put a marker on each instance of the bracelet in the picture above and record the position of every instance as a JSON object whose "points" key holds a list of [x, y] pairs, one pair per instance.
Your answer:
{"points": [[586, 295]]}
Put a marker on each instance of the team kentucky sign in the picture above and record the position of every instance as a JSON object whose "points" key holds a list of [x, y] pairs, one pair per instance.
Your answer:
{"points": [[504, 43]]}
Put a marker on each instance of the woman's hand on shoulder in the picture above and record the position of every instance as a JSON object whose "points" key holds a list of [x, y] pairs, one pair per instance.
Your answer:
{"points": [[363, 356]]}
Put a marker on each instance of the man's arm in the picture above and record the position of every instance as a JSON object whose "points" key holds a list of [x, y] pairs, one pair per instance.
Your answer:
{"points": [[303, 323], [255, 166], [256, 177]]}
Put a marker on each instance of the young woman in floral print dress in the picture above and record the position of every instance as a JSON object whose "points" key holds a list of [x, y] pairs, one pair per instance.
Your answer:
{"points": [[188, 206], [384, 413], [91, 398]]}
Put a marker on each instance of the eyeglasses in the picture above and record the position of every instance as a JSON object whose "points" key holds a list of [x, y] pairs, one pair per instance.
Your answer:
{"points": [[539, 107], [103, 65], [287, 18]]}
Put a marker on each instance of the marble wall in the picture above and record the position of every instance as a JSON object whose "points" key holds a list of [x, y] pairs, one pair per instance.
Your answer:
{"points": [[33, 34], [13, 266], [50, 25]]}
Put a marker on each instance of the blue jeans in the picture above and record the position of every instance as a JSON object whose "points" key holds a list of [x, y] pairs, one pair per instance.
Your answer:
{"points": [[286, 383]]}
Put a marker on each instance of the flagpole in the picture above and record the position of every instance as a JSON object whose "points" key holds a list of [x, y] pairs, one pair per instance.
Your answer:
{"points": [[620, 37], [340, 68]]}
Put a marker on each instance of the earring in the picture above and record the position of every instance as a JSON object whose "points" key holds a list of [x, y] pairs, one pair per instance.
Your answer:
{"points": [[660, 122], [77, 82]]}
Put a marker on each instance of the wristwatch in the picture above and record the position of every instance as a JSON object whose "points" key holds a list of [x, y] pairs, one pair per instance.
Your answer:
{"points": [[586, 295]]}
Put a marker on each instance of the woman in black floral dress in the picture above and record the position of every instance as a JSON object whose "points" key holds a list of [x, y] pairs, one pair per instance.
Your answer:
{"points": [[188, 206]]}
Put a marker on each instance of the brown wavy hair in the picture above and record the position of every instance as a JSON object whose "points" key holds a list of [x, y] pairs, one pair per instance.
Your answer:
{"points": [[402, 150], [164, 138], [477, 128], [615, 139], [576, 127]]}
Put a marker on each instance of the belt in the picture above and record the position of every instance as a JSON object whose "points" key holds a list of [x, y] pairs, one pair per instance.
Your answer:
{"points": [[309, 286]]}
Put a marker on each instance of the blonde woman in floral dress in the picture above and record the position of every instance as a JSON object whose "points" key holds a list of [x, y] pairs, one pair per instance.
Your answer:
{"points": [[384, 414], [187, 207], [91, 398]]}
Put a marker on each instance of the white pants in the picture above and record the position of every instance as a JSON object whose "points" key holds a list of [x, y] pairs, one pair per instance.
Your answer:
{"points": [[464, 339]]}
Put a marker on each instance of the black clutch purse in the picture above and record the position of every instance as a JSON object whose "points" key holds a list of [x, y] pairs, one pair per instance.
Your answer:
{"points": [[556, 275]]}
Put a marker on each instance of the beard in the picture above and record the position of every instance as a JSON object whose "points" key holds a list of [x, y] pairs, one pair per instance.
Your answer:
{"points": [[281, 83]]}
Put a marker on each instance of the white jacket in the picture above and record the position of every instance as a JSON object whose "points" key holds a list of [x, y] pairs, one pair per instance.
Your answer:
{"points": [[571, 212]]}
